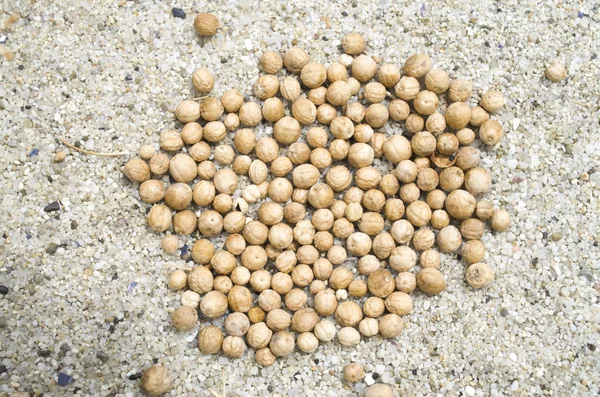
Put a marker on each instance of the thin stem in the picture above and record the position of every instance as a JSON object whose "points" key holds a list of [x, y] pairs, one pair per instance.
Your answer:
{"points": [[214, 393], [91, 152], [223, 378]]}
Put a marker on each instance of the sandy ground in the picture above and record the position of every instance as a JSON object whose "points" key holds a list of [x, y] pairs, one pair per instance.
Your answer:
{"points": [[87, 295]]}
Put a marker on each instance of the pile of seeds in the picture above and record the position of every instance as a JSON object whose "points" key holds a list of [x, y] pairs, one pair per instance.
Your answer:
{"points": [[334, 236]]}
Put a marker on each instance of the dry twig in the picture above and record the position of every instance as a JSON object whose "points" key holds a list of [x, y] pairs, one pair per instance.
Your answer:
{"points": [[224, 392], [91, 152]]}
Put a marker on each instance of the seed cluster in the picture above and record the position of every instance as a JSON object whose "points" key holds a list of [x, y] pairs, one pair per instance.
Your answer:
{"points": [[333, 235]]}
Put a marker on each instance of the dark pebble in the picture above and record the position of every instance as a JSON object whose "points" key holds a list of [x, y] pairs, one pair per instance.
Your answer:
{"points": [[503, 312], [592, 347], [34, 152], [155, 360], [344, 13], [54, 206], [65, 347], [44, 353], [134, 376], [3, 369], [51, 248], [375, 376], [128, 77], [223, 60], [414, 371], [64, 379], [102, 356], [74, 225], [21, 67], [3, 290], [178, 13]]}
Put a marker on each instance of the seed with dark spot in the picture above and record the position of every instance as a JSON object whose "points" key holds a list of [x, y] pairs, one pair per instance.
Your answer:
{"points": [[3, 290], [54, 206], [178, 13]]}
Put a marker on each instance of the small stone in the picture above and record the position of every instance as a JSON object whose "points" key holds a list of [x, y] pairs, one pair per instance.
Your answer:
{"points": [[369, 380], [178, 13], [59, 157], [64, 379], [591, 347], [51, 248], [44, 353], [470, 391], [3, 290], [52, 207], [556, 236], [513, 356], [102, 356]]}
